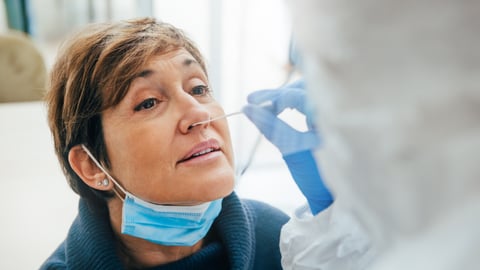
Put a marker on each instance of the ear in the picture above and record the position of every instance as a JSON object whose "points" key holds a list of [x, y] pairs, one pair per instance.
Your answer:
{"points": [[88, 171]]}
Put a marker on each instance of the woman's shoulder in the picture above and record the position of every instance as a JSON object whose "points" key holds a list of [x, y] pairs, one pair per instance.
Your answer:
{"points": [[56, 261]]}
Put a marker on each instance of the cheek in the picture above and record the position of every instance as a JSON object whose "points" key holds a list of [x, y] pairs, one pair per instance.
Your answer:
{"points": [[134, 149], [221, 126], [225, 133]]}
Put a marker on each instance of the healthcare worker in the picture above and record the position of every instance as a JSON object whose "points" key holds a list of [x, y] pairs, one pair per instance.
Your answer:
{"points": [[320, 235], [396, 92]]}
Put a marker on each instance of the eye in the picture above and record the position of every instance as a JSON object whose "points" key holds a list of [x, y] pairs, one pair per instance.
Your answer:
{"points": [[200, 90], [146, 104]]}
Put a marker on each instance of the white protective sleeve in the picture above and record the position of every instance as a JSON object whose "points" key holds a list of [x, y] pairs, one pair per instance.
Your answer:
{"points": [[330, 240]]}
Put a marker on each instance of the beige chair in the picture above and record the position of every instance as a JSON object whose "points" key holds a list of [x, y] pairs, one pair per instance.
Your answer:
{"points": [[22, 69]]}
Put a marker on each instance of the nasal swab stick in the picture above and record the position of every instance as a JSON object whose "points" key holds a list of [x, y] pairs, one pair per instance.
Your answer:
{"points": [[215, 118], [264, 104]]}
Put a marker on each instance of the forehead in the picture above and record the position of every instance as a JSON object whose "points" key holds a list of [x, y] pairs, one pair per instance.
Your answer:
{"points": [[179, 58], [179, 62]]}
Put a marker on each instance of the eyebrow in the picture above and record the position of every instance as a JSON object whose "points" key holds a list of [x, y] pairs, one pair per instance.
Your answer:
{"points": [[186, 63], [189, 61], [144, 73]]}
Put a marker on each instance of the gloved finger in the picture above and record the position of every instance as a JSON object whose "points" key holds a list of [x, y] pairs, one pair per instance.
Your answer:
{"points": [[264, 95], [293, 98], [279, 100], [283, 136], [268, 123]]}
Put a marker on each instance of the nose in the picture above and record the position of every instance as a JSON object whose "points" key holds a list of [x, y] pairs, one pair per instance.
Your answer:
{"points": [[192, 112]]}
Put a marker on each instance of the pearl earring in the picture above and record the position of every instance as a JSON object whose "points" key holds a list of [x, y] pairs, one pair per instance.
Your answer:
{"points": [[105, 182]]}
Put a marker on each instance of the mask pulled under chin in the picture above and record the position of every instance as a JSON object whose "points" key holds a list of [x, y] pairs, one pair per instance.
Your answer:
{"points": [[168, 225]]}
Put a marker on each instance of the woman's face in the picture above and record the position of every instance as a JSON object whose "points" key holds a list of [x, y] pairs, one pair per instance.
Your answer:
{"points": [[154, 153]]}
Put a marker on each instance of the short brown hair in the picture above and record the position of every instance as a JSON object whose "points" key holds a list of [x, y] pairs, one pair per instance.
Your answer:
{"points": [[93, 72]]}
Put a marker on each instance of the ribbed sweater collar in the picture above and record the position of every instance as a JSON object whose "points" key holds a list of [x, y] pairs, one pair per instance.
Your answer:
{"points": [[90, 243]]}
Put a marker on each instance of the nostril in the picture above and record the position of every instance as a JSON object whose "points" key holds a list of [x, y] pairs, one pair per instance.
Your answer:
{"points": [[196, 124], [200, 123]]}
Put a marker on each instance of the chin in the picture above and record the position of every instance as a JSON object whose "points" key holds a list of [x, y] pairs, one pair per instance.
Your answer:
{"points": [[205, 185], [218, 189]]}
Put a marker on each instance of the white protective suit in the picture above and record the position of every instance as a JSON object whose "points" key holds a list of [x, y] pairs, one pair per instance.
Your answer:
{"points": [[396, 87]]}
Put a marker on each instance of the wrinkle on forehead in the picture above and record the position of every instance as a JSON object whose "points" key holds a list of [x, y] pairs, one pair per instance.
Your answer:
{"points": [[186, 63]]}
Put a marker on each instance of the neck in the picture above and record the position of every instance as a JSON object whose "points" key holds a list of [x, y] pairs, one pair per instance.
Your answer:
{"points": [[139, 253]]}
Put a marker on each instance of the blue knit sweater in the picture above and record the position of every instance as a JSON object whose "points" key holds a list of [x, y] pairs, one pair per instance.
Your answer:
{"points": [[244, 236]]}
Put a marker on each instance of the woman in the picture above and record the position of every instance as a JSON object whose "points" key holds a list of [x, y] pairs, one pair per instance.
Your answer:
{"points": [[155, 189]]}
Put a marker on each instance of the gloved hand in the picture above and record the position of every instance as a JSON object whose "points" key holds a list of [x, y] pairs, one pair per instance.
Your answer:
{"points": [[263, 108], [296, 146]]}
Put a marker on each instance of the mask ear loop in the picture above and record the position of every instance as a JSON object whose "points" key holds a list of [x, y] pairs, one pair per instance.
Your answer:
{"points": [[105, 172]]}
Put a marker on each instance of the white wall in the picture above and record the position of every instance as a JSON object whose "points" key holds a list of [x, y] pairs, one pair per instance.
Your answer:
{"points": [[3, 17]]}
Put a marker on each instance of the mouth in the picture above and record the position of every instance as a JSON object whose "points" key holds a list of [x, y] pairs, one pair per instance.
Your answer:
{"points": [[200, 150]]}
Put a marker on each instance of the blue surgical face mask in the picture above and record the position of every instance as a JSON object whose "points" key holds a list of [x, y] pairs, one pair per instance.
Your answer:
{"points": [[164, 224]]}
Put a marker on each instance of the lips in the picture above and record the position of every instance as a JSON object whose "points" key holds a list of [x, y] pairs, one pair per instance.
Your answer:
{"points": [[201, 149]]}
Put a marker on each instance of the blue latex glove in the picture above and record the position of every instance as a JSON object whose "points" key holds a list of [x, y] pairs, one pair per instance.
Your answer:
{"points": [[263, 108], [294, 145], [304, 170]]}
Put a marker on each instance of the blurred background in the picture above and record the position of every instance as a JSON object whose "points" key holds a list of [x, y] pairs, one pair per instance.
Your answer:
{"points": [[246, 44]]}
